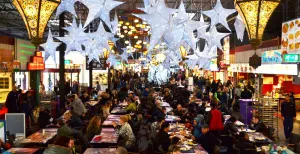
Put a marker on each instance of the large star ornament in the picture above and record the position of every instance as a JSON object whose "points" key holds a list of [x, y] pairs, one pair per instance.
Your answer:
{"points": [[100, 9], [161, 20], [50, 46], [66, 5], [214, 38], [239, 27], [219, 15]]}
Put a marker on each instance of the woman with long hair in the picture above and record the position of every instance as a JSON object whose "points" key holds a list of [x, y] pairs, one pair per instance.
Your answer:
{"points": [[93, 128], [125, 133]]}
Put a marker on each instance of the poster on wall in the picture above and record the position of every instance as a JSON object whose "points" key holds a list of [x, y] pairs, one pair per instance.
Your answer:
{"points": [[271, 57], [290, 41], [96, 65]]}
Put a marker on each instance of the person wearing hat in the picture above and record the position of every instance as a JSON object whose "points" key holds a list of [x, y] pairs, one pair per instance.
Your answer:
{"points": [[208, 141], [162, 138], [197, 131]]}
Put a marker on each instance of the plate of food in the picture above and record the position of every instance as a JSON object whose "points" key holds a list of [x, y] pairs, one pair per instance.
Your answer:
{"points": [[259, 138]]}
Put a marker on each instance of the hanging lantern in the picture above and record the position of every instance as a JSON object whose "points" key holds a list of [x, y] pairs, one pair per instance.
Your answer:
{"points": [[36, 14], [183, 52], [256, 14]]}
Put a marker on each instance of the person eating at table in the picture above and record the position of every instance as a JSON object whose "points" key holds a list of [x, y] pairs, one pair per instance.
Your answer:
{"points": [[162, 138], [208, 141], [258, 125], [73, 120], [64, 129], [155, 126], [230, 127], [84, 97], [244, 143], [180, 111], [61, 146], [131, 106], [94, 128], [197, 128], [124, 131]]}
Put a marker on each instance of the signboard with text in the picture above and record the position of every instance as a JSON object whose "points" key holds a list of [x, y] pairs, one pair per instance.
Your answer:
{"points": [[291, 58], [290, 41], [95, 64], [271, 57]]}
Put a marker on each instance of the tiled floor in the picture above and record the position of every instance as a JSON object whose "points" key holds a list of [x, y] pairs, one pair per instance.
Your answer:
{"points": [[296, 130]]}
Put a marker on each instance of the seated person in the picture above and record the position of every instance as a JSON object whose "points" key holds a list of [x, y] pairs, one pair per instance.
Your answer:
{"points": [[155, 126], [131, 106], [180, 111], [197, 129], [73, 119], [208, 141], [173, 149], [230, 128], [94, 128], [44, 118], [125, 134], [64, 129], [84, 97], [259, 126], [162, 138], [244, 143], [62, 145]]}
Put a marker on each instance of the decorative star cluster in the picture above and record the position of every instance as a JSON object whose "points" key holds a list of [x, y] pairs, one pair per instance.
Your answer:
{"points": [[50, 47]]}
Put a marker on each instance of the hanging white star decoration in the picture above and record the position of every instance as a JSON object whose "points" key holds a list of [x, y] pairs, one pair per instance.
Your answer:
{"points": [[50, 46], [239, 27], [100, 9], [66, 5], [219, 15]]}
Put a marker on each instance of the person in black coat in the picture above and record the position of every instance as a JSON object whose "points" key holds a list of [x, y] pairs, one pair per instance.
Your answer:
{"points": [[12, 101], [75, 121], [162, 138], [246, 94], [84, 97], [244, 143], [208, 141], [288, 112], [229, 127], [259, 126]]}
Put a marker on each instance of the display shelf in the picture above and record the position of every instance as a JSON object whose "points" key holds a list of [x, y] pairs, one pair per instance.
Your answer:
{"points": [[267, 108]]}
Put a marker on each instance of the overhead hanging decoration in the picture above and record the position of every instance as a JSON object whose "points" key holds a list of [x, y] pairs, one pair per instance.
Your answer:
{"points": [[66, 5], [35, 14], [239, 27], [50, 46], [256, 14], [100, 9], [219, 15]]}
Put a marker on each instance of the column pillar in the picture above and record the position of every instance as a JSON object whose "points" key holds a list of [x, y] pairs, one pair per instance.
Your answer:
{"points": [[62, 92], [35, 78]]}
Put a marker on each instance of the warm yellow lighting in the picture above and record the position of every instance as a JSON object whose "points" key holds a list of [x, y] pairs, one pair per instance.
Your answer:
{"points": [[126, 42], [136, 37], [121, 22], [137, 25], [144, 22], [143, 26], [130, 33], [132, 27], [183, 52], [146, 29], [122, 36], [118, 34], [144, 42], [160, 57], [125, 31], [119, 25], [125, 27], [105, 53], [256, 14], [157, 46], [35, 14], [136, 20], [127, 23]]}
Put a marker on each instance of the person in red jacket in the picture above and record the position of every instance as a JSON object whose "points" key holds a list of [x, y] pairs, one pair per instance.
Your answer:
{"points": [[215, 119]]}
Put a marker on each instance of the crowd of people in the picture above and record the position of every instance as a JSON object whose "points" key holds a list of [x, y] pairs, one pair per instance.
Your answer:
{"points": [[144, 128]]}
